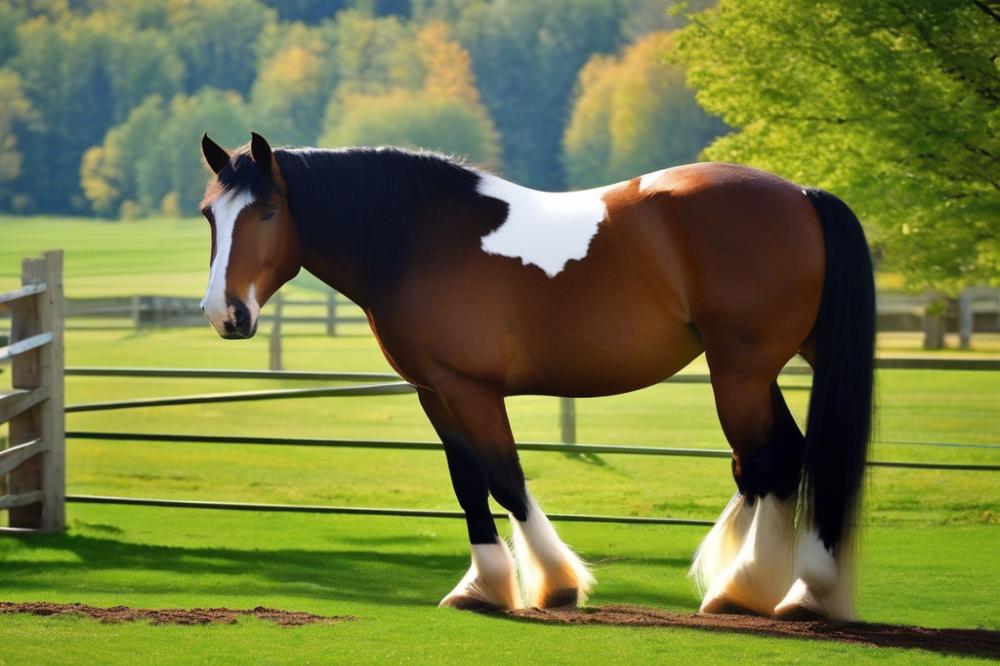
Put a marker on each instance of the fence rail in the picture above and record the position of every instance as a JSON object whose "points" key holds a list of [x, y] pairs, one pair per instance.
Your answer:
{"points": [[555, 447], [366, 511]]}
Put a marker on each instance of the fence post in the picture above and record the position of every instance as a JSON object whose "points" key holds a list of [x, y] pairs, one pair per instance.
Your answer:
{"points": [[965, 319], [331, 313], [934, 324], [275, 342], [567, 420], [40, 369]]}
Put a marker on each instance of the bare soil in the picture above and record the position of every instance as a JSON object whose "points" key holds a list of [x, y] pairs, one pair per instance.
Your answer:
{"points": [[189, 616], [968, 642]]}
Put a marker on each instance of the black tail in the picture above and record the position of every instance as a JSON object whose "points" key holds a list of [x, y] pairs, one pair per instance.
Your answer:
{"points": [[841, 404]]}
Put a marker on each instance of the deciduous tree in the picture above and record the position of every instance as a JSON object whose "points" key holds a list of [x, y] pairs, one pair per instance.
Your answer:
{"points": [[893, 105], [634, 115]]}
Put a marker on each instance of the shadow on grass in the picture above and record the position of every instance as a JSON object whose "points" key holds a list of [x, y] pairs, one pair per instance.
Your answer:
{"points": [[361, 575], [364, 574]]}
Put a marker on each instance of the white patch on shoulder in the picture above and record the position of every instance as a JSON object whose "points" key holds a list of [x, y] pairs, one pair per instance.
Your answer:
{"points": [[225, 210], [546, 229], [648, 179]]}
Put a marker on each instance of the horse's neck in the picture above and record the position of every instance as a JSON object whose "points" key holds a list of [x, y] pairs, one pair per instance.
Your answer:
{"points": [[340, 273]]}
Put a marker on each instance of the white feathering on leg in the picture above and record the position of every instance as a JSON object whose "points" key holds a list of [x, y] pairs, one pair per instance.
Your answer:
{"points": [[760, 574], [823, 584], [544, 562], [719, 547], [491, 579]]}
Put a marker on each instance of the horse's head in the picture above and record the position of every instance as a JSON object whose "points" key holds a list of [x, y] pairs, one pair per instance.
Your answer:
{"points": [[255, 246]]}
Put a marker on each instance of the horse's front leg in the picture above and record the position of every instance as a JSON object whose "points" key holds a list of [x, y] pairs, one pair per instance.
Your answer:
{"points": [[491, 582], [551, 573]]}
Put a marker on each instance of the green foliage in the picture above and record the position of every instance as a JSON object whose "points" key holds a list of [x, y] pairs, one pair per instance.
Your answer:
{"points": [[308, 11], [85, 66], [9, 19], [893, 105], [15, 111], [417, 120], [217, 41], [81, 75], [296, 76], [376, 54], [526, 56], [645, 16], [148, 159], [633, 115], [401, 86]]}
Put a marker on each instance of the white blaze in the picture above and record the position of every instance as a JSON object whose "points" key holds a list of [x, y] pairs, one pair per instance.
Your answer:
{"points": [[546, 229], [225, 210]]}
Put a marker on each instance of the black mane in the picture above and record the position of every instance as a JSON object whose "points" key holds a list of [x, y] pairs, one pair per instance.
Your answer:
{"points": [[368, 199]]}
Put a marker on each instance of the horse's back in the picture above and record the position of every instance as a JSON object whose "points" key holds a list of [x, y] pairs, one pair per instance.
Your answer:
{"points": [[691, 252]]}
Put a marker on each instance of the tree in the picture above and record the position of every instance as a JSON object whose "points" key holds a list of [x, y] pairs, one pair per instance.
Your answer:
{"points": [[526, 56], [152, 160], [633, 115], [415, 119], [15, 111], [308, 11], [81, 74], [407, 87], [217, 40], [895, 106], [294, 85], [108, 171], [376, 54]]}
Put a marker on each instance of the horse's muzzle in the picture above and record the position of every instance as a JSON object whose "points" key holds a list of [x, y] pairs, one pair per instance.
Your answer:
{"points": [[240, 324]]}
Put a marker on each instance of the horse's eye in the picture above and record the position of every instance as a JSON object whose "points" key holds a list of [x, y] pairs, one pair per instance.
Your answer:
{"points": [[267, 215]]}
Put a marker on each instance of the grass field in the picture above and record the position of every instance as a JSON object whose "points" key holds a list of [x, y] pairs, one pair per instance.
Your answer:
{"points": [[928, 546]]}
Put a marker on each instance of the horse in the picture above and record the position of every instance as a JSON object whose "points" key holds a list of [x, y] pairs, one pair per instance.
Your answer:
{"points": [[477, 288]]}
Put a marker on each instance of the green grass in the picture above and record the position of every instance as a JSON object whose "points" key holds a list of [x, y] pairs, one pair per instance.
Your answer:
{"points": [[103, 258], [928, 546], [387, 572]]}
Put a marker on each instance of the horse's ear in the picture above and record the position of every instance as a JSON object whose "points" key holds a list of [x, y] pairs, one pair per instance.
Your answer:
{"points": [[260, 149], [215, 155]]}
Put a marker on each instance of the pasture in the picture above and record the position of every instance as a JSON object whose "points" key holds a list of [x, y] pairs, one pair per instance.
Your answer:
{"points": [[928, 544]]}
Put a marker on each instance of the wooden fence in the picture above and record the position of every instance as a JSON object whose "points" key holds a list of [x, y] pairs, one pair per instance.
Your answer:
{"points": [[32, 467], [115, 312], [975, 310]]}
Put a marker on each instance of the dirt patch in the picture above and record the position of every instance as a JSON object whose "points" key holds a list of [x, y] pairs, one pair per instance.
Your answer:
{"points": [[118, 614], [970, 642]]}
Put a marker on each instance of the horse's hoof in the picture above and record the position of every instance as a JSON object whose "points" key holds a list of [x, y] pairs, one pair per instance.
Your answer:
{"points": [[722, 605], [563, 598], [465, 602], [795, 613], [799, 604]]}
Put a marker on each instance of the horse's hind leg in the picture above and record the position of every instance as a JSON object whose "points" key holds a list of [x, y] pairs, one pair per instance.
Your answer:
{"points": [[491, 581], [551, 573], [745, 562]]}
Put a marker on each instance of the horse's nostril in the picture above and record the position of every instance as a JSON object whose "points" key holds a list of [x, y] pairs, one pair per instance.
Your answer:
{"points": [[229, 326]]}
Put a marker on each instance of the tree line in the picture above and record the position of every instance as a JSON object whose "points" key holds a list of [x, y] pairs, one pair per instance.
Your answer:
{"points": [[106, 100], [894, 105]]}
